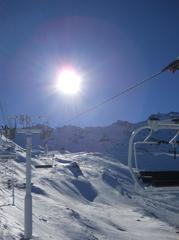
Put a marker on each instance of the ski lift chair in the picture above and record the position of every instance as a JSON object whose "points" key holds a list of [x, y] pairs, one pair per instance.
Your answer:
{"points": [[160, 180]]}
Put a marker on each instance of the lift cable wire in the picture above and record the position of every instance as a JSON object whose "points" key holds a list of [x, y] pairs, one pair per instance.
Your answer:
{"points": [[172, 67]]}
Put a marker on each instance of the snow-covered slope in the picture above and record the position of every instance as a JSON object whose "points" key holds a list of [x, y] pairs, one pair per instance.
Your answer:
{"points": [[86, 196], [89, 193]]}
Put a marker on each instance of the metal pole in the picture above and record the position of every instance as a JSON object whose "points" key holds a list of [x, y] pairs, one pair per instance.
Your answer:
{"points": [[13, 197], [46, 148], [28, 197]]}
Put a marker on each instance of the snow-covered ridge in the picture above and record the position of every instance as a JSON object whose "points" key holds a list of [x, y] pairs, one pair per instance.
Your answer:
{"points": [[108, 139], [111, 140]]}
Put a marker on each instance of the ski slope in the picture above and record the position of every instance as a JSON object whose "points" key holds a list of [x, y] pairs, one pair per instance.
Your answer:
{"points": [[85, 196]]}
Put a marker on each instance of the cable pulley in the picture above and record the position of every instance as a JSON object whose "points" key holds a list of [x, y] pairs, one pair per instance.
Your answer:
{"points": [[173, 66]]}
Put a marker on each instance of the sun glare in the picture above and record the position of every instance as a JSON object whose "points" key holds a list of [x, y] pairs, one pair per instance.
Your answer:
{"points": [[69, 82]]}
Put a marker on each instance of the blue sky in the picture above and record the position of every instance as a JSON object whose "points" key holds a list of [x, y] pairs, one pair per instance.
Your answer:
{"points": [[113, 44]]}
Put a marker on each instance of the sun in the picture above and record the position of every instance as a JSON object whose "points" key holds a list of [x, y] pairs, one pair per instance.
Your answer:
{"points": [[69, 81]]}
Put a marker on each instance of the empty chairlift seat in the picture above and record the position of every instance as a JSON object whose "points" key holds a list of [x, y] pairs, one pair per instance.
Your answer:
{"points": [[157, 178], [160, 178]]}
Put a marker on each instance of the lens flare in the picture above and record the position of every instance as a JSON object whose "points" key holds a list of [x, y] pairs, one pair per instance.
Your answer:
{"points": [[69, 81]]}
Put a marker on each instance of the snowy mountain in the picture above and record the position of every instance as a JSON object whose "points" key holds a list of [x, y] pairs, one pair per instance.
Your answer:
{"points": [[88, 194], [112, 139]]}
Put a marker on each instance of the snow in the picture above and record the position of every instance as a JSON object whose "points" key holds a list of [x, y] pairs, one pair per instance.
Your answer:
{"points": [[87, 195]]}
